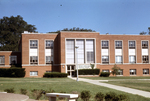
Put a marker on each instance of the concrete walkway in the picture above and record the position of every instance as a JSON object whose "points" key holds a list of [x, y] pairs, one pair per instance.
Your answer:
{"points": [[120, 88]]}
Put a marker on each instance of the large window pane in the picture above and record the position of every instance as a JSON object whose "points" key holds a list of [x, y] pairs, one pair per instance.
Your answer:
{"points": [[132, 59], [2, 60], [49, 44], [104, 44], [13, 60], [118, 59], [33, 44], [80, 44], [33, 59], [131, 44], [70, 50], [118, 44], [144, 44], [90, 50], [145, 59], [105, 60]]}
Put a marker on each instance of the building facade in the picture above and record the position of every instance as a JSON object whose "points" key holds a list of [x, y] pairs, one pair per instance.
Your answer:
{"points": [[62, 52]]}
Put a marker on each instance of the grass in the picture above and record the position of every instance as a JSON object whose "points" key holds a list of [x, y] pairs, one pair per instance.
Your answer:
{"points": [[137, 84], [118, 77], [59, 85]]}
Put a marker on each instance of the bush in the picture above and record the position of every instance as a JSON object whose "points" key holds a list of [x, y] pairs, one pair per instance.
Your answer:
{"points": [[104, 74], [55, 74], [23, 91], [99, 96], [87, 72], [10, 90], [85, 95], [111, 96], [37, 93], [12, 72], [122, 97]]}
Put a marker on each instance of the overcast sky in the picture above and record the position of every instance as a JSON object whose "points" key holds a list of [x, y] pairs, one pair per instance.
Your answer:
{"points": [[104, 16]]}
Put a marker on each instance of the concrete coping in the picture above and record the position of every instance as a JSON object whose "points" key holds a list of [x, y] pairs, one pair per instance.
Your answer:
{"points": [[62, 95]]}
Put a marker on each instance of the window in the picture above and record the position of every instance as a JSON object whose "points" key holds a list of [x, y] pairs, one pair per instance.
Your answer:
{"points": [[33, 59], [144, 44], [49, 44], [2, 60], [145, 71], [120, 72], [145, 59], [132, 59], [132, 71], [131, 44], [118, 44], [105, 70], [33, 73], [48, 59], [33, 44], [105, 59], [80, 44], [70, 45], [105, 45], [13, 60], [118, 59], [90, 50]]}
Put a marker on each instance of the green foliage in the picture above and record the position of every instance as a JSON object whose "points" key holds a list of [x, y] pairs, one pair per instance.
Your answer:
{"points": [[92, 66], [37, 93], [74, 29], [10, 90], [104, 74], [122, 97], [23, 91], [10, 32], [12, 72], [85, 95], [110, 96], [99, 96], [87, 72], [115, 70], [55, 74]]}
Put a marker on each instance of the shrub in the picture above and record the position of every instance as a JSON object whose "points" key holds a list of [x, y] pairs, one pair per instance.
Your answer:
{"points": [[104, 74], [111, 96], [55, 74], [85, 95], [99, 96], [122, 97], [23, 91], [10, 90], [12, 72], [37, 93], [87, 72]]}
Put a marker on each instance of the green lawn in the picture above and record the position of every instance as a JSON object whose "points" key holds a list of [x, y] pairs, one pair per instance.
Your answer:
{"points": [[137, 84], [118, 77], [59, 85]]}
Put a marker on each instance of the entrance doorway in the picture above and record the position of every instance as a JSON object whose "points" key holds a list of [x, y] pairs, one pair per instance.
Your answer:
{"points": [[71, 70]]}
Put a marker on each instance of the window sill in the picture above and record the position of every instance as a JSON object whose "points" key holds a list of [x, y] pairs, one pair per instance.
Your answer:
{"points": [[132, 75]]}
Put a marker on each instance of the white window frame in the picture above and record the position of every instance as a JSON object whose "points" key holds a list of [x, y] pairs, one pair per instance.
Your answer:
{"points": [[121, 59], [33, 46], [107, 44], [33, 63], [107, 60], [33, 73], [146, 71], [134, 72]]}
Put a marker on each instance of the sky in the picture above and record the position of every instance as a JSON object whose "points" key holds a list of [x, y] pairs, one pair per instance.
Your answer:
{"points": [[103, 16]]}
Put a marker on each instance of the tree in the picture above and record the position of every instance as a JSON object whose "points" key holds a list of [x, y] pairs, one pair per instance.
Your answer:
{"points": [[10, 32], [115, 70], [74, 29], [143, 33]]}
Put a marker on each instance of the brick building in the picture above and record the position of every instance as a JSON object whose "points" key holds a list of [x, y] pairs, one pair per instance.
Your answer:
{"points": [[40, 53]]}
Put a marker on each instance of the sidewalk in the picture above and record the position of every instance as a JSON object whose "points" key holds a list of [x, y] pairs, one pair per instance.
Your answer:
{"points": [[120, 88]]}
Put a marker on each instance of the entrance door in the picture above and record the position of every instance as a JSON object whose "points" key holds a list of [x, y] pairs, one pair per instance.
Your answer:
{"points": [[71, 70]]}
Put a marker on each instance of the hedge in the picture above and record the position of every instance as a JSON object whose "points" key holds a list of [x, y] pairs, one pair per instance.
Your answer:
{"points": [[104, 74], [55, 74], [12, 72], [87, 72]]}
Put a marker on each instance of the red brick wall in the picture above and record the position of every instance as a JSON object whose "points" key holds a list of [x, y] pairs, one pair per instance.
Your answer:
{"points": [[7, 54]]}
